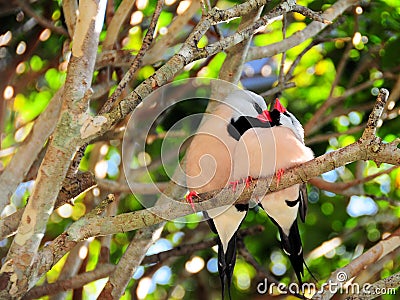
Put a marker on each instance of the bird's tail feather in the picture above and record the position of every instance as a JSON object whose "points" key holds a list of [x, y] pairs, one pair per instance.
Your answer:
{"points": [[309, 271], [221, 267], [292, 246], [226, 264]]}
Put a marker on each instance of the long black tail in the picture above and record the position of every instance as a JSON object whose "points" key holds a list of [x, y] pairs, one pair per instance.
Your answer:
{"points": [[227, 260], [292, 246], [226, 264]]}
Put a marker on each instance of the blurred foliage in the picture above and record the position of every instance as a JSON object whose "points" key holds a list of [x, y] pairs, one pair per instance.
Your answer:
{"points": [[338, 228]]}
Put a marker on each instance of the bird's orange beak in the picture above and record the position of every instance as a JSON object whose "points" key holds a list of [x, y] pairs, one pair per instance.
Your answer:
{"points": [[264, 116]]}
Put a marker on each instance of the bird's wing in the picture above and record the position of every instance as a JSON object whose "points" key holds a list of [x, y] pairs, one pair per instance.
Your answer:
{"points": [[303, 202]]}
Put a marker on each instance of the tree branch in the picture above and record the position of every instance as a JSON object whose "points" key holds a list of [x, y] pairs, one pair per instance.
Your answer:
{"points": [[277, 89], [341, 187], [314, 125], [131, 259], [70, 7], [337, 9], [70, 283], [115, 58], [311, 14], [108, 269], [384, 286], [112, 186], [166, 41], [231, 69], [355, 266], [71, 266], [371, 271], [72, 188], [123, 11], [21, 161], [137, 61]]}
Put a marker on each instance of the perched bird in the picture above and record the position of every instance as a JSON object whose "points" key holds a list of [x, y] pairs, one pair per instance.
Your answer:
{"points": [[266, 151], [209, 167]]}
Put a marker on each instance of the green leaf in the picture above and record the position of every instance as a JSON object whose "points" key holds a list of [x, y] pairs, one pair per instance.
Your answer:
{"points": [[54, 78], [145, 72], [165, 19], [36, 63]]}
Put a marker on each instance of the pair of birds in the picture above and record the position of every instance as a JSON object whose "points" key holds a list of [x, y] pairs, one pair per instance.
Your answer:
{"points": [[241, 140]]}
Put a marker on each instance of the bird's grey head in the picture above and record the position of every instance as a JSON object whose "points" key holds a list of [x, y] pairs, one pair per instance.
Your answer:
{"points": [[287, 119], [245, 103]]}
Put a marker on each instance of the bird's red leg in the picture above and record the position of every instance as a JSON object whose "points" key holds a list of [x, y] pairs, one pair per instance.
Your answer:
{"points": [[248, 181], [279, 174], [234, 185], [189, 198]]}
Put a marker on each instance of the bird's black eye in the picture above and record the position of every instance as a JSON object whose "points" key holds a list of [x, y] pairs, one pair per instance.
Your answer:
{"points": [[257, 108]]}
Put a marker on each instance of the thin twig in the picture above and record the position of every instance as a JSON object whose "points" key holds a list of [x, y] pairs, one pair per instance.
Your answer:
{"points": [[129, 262], [171, 38], [70, 283], [311, 14], [232, 67], [317, 41], [331, 100], [283, 58], [317, 122], [327, 136], [299, 37], [137, 60], [340, 111], [341, 187], [42, 21], [71, 267], [70, 7], [392, 201], [278, 89]]}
